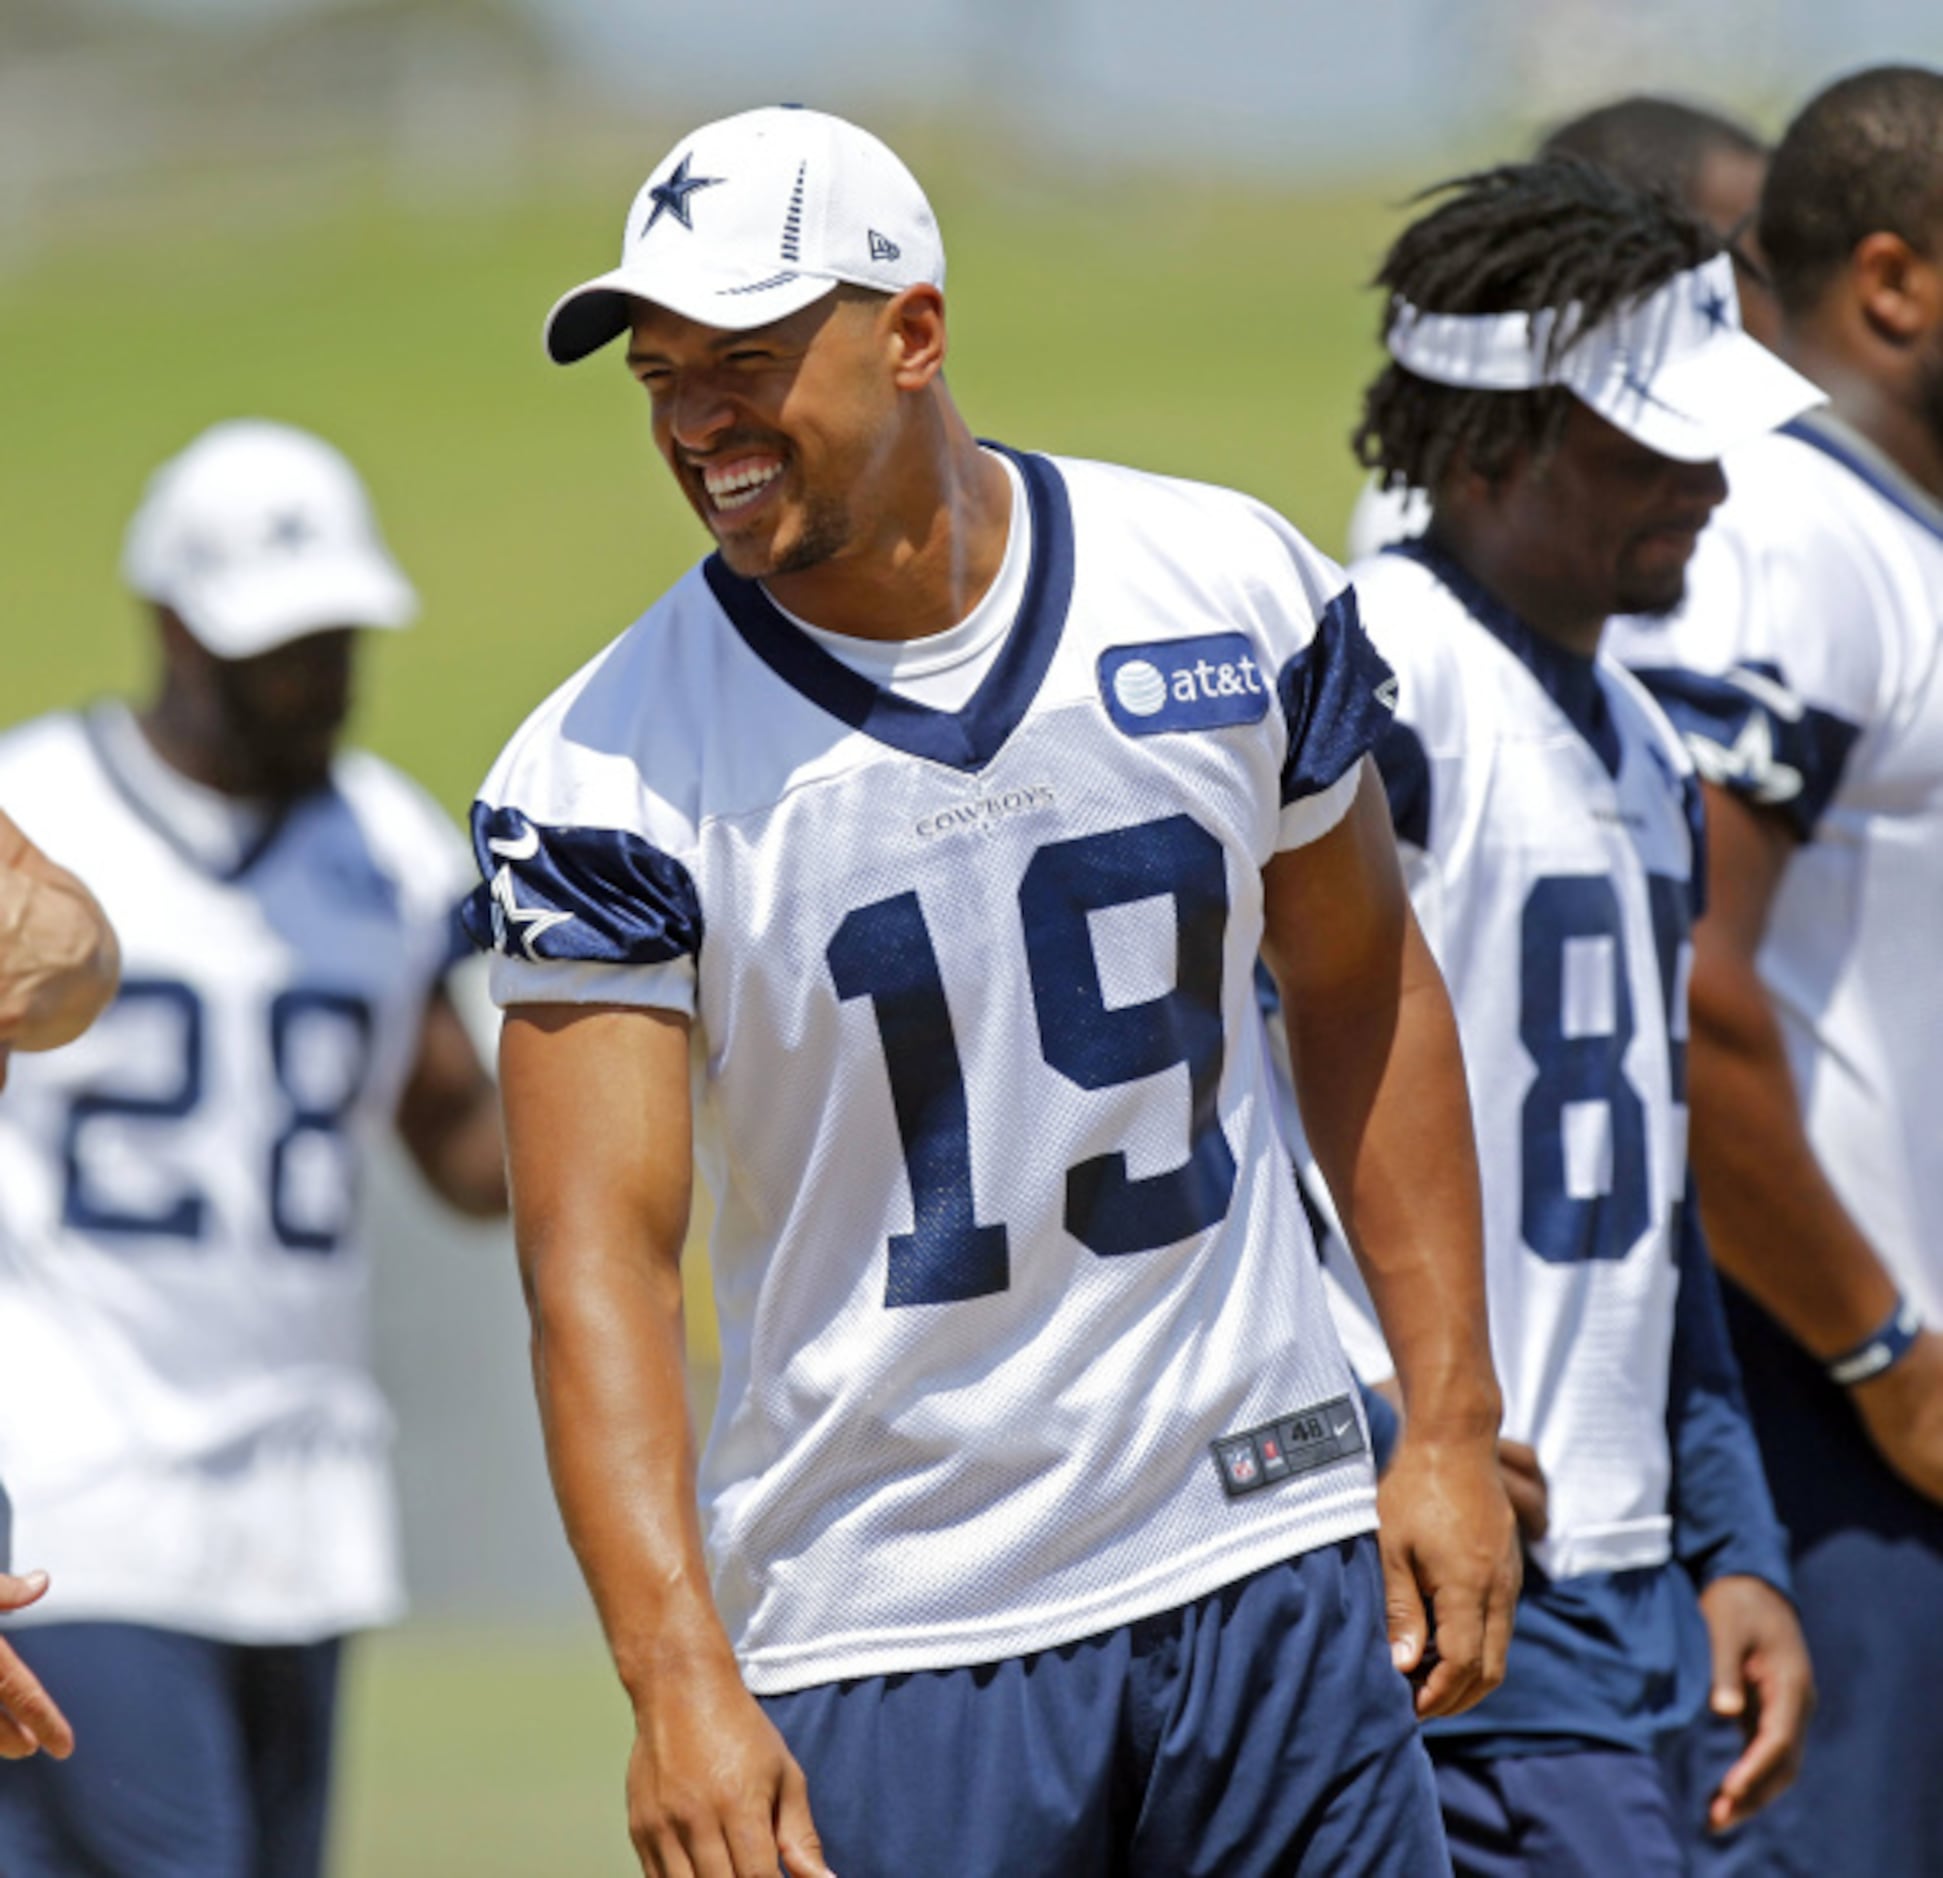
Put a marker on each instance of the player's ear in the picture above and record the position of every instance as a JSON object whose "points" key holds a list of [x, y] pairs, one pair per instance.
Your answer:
{"points": [[1899, 291], [913, 324]]}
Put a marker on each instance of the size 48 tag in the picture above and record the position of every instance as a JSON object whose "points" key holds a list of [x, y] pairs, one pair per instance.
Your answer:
{"points": [[1290, 1445]]}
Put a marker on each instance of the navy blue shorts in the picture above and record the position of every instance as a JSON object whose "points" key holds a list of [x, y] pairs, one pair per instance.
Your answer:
{"points": [[1868, 1566], [1259, 1732], [1589, 1813], [192, 1759]]}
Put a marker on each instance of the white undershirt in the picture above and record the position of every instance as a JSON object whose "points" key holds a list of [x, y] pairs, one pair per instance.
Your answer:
{"points": [[219, 830], [942, 670]]}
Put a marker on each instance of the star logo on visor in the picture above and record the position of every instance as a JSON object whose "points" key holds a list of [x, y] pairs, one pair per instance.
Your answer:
{"points": [[671, 197], [1638, 385]]}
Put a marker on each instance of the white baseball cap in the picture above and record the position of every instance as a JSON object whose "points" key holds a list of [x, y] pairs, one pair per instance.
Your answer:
{"points": [[749, 219], [1674, 370], [258, 534]]}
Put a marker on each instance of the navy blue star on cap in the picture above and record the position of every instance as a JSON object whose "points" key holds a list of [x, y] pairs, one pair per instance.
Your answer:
{"points": [[671, 197], [291, 529]]}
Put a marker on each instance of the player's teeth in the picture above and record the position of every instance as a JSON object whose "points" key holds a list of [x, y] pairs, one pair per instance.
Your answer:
{"points": [[739, 487]]}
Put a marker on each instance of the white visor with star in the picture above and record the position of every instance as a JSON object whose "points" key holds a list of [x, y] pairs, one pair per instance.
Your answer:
{"points": [[1674, 370]]}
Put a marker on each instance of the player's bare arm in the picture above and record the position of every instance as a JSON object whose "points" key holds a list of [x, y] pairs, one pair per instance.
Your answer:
{"points": [[58, 959], [1380, 1080], [1776, 1226], [448, 1115], [598, 1131]]}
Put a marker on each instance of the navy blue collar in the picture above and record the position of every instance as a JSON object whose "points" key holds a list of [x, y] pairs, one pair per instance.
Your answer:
{"points": [[966, 739], [145, 811], [1861, 458], [1571, 682]]}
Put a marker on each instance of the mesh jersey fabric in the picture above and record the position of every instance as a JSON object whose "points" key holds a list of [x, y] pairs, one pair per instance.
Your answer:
{"points": [[1002, 1239], [1550, 844], [190, 1435]]}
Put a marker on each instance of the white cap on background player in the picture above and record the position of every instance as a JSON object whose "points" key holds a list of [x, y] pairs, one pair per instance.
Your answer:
{"points": [[258, 534], [750, 219], [1674, 370]]}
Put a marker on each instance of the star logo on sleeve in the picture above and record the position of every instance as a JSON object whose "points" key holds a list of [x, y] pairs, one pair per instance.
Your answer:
{"points": [[518, 929], [1750, 760], [671, 197]]}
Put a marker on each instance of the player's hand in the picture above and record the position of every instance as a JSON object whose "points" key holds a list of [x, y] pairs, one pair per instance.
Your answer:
{"points": [[712, 1792], [1525, 1488], [1903, 1411], [1761, 1676], [29, 1721], [1450, 1557]]}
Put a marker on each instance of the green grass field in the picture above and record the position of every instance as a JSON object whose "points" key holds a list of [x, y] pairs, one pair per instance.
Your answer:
{"points": [[1210, 332], [1218, 335]]}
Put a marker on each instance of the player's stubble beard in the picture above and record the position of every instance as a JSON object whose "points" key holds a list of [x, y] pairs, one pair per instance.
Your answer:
{"points": [[1650, 597], [823, 534]]}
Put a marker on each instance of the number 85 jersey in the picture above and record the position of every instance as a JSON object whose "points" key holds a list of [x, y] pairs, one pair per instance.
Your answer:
{"points": [[1022, 1334], [1549, 823]]}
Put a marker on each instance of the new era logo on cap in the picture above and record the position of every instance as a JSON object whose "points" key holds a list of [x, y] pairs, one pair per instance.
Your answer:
{"points": [[749, 220]]}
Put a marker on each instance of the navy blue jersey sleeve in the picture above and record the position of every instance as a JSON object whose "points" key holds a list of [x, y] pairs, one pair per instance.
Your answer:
{"points": [[1338, 697], [1749, 733], [1724, 1521], [1405, 768], [598, 896]]}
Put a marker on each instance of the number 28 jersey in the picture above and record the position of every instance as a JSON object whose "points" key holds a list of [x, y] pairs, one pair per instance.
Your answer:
{"points": [[188, 1430], [1022, 1336]]}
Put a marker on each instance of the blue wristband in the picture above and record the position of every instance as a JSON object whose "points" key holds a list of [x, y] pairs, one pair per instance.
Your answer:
{"points": [[1882, 1350]]}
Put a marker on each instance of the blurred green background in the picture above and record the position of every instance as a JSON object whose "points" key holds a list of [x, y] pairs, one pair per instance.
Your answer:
{"points": [[1214, 333], [1211, 332]]}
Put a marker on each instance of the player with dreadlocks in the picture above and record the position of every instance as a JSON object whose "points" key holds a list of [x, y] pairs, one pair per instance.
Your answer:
{"points": [[1566, 365], [1686, 154]]}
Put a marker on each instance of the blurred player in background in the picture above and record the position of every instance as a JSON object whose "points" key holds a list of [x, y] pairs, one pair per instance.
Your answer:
{"points": [[1693, 156], [194, 1446], [1684, 153], [1807, 670], [1551, 836], [58, 967], [927, 833]]}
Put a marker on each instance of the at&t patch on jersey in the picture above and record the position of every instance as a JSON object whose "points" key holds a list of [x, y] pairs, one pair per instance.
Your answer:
{"points": [[1205, 683], [1289, 1445]]}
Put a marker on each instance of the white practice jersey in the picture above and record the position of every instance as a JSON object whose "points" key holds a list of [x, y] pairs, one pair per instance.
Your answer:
{"points": [[1547, 818], [1022, 1334], [188, 1430], [1806, 669]]}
